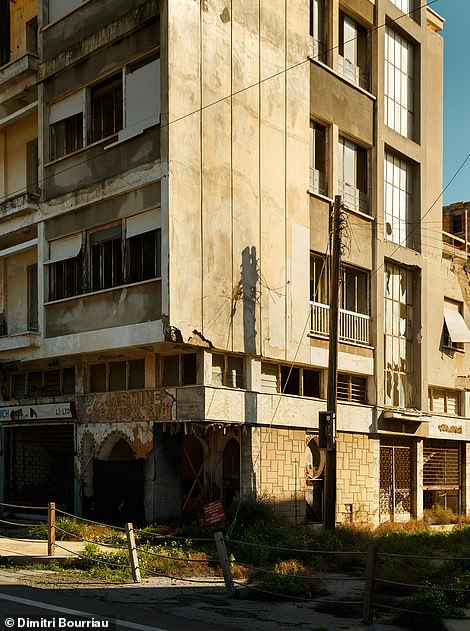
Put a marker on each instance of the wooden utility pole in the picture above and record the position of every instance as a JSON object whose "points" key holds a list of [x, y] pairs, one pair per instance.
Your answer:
{"points": [[335, 263]]}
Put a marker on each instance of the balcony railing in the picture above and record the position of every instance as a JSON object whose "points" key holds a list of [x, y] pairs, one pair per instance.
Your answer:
{"points": [[317, 182], [353, 327], [352, 72], [20, 203], [455, 241], [353, 197]]}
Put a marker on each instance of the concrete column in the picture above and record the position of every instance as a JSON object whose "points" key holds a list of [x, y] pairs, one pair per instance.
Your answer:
{"points": [[150, 370], [417, 479], [466, 479], [204, 375], [253, 374]]}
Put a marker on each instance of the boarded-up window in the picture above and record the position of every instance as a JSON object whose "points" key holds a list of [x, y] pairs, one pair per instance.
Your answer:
{"points": [[443, 401]]}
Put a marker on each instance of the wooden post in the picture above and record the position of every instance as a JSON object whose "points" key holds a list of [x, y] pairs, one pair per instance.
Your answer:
{"points": [[51, 529], [335, 263], [133, 553], [225, 563], [368, 613]]}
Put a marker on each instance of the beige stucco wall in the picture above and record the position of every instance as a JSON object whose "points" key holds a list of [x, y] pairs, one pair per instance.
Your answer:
{"points": [[238, 171], [13, 140], [21, 11], [358, 474], [16, 290]]}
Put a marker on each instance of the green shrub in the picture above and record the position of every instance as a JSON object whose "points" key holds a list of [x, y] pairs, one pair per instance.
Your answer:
{"points": [[427, 607]]}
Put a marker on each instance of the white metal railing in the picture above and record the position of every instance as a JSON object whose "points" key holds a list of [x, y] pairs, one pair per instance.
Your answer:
{"points": [[352, 72], [353, 197], [316, 181], [353, 327]]}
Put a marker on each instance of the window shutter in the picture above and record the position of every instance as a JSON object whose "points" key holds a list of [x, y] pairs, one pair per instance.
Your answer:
{"points": [[66, 248], [66, 108], [144, 222]]}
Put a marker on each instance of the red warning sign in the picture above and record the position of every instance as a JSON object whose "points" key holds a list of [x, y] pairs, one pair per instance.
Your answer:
{"points": [[213, 513]]}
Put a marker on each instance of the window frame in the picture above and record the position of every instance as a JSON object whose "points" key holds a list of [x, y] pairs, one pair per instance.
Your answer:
{"points": [[181, 381], [400, 111], [447, 392], [398, 199], [357, 272], [42, 394], [355, 193], [355, 70], [318, 164], [107, 365], [225, 382]]}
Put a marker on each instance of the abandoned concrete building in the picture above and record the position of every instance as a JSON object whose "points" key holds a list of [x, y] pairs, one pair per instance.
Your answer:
{"points": [[167, 170]]}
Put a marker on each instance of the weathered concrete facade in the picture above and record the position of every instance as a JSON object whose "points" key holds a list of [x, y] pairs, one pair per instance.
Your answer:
{"points": [[163, 257]]}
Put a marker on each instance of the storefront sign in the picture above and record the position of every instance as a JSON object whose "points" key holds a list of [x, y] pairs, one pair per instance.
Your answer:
{"points": [[49, 411], [213, 513], [450, 429], [134, 405]]}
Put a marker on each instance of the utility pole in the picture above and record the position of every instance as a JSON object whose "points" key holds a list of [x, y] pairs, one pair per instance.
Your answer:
{"points": [[335, 263]]}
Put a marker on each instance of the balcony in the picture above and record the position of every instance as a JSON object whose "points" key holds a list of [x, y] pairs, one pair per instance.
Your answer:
{"points": [[26, 65], [21, 204], [353, 197], [353, 327]]}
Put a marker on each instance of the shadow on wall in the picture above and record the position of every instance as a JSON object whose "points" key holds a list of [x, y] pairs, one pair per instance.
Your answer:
{"points": [[248, 289]]}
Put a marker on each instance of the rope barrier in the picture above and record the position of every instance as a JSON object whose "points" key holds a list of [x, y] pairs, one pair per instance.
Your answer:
{"points": [[84, 556], [440, 589], [303, 550], [298, 598], [89, 521], [179, 578], [424, 558], [165, 556], [23, 525], [24, 507], [173, 537], [421, 613], [98, 543], [307, 577]]}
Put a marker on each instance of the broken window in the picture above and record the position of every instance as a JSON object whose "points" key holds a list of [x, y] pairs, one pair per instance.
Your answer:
{"points": [[456, 332], [353, 53], [398, 200], [317, 28], [399, 83], [354, 290], [352, 175], [269, 378], [352, 388], [227, 370], [317, 180], [179, 370], [47, 383], [106, 108], [318, 279], [398, 336], [106, 258]]}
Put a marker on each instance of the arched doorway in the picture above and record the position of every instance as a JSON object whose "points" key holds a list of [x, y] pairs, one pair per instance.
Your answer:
{"points": [[192, 472], [314, 492], [231, 472], [118, 483]]}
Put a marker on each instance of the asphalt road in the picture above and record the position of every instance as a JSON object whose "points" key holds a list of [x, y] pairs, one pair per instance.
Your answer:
{"points": [[31, 608]]}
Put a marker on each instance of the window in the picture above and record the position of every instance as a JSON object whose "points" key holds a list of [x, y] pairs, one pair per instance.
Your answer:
{"points": [[398, 199], [66, 265], [317, 29], [106, 258], [317, 179], [399, 83], [352, 175], [179, 370], [106, 108], [443, 401], [228, 371], [102, 259], [59, 8], [47, 383], [398, 336], [405, 5], [456, 332], [290, 380], [116, 376], [354, 290], [456, 224], [66, 125], [143, 246], [33, 310], [353, 62], [352, 388], [318, 279]]}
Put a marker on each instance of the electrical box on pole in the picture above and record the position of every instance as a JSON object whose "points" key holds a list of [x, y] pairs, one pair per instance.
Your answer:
{"points": [[326, 430]]}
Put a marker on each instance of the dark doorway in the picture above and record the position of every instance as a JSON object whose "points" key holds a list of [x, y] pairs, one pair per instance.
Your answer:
{"points": [[39, 466], [231, 466], [118, 489]]}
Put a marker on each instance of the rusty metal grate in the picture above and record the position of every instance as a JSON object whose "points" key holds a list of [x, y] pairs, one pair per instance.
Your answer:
{"points": [[395, 481], [441, 468]]}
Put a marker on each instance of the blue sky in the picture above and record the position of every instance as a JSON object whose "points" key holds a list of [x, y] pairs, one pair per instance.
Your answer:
{"points": [[456, 96]]}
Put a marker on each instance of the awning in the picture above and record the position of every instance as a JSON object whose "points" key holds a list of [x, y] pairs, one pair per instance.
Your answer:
{"points": [[456, 326]]}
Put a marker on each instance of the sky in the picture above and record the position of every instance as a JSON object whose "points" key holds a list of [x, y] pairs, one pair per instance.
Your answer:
{"points": [[456, 96]]}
